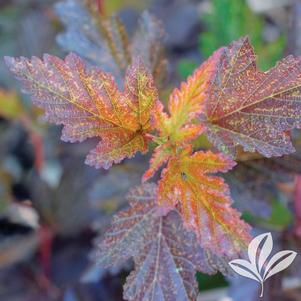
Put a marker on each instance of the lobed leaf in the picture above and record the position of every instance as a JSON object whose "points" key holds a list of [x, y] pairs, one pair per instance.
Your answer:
{"points": [[252, 108], [130, 229], [185, 103], [87, 102], [165, 269], [147, 43], [178, 127], [166, 255], [204, 200], [104, 42], [159, 157], [100, 43]]}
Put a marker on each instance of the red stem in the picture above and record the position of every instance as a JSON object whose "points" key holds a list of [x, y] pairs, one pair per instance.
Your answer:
{"points": [[38, 147], [45, 248], [100, 7]]}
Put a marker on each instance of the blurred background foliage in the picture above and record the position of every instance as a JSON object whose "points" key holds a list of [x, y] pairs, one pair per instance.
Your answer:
{"points": [[231, 19], [226, 21], [53, 208]]}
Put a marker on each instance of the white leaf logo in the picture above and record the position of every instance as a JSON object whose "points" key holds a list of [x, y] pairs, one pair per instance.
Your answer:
{"points": [[260, 267]]}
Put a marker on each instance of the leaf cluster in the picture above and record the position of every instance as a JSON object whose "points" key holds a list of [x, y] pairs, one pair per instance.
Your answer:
{"points": [[185, 222]]}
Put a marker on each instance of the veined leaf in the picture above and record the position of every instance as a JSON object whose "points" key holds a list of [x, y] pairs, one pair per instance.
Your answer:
{"points": [[147, 43], [160, 156], [204, 200], [104, 41], [88, 103], [252, 108], [185, 103], [166, 254], [130, 228]]}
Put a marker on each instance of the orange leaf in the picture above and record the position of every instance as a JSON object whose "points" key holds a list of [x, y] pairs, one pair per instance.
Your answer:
{"points": [[252, 108], [160, 156], [178, 127], [185, 103], [204, 200], [87, 102]]}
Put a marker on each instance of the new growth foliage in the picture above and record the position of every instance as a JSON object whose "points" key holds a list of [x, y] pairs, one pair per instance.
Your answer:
{"points": [[185, 222]]}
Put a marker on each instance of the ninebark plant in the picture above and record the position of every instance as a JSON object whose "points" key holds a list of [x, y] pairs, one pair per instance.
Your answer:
{"points": [[185, 222]]}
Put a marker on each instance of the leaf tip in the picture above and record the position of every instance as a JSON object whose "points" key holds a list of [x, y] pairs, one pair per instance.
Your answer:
{"points": [[146, 176]]}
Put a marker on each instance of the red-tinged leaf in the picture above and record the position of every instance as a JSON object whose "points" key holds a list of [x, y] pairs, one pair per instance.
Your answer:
{"points": [[166, 149], [190, 132], [160, 156], [252, 108], [186, 102], [204, 200], [160, 120], [166, 254], [88, 103]]}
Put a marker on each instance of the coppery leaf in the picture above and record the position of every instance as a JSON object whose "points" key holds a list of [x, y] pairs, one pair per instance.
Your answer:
{"points": [[160, 156], [252, 108], [178, 127], [204, 200], [185, 103], [88, 103]]}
